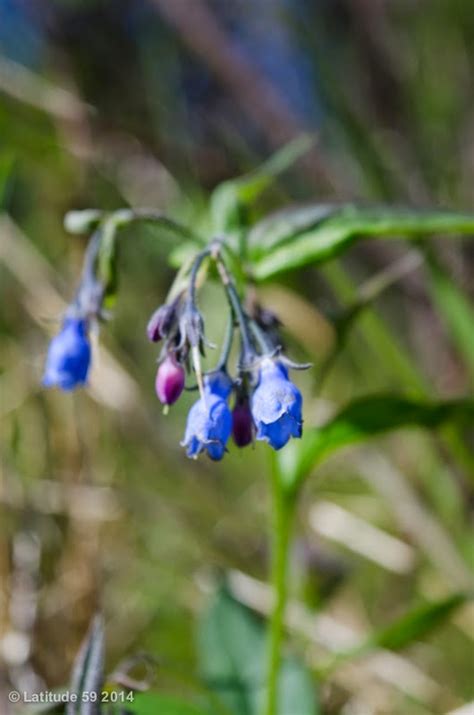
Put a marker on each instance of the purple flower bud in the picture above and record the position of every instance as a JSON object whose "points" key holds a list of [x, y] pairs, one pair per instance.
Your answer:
{"points": [[160, 322], [242, 423], [170, 379]]}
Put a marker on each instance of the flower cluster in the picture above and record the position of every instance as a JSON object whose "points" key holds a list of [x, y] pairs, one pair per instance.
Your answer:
{"points": [[259, 402], [266, 404]]}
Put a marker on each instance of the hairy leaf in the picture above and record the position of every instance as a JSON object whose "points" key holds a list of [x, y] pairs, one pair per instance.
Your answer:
{"points": [[296, 238], [361, 420]]}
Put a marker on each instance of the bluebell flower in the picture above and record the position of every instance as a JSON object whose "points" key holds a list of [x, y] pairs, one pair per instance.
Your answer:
{"points": [[209, 421], [69, 355], [276, 405]]}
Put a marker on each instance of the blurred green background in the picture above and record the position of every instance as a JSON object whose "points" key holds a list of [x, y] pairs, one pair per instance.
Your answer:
{"points": [[106, 103]]}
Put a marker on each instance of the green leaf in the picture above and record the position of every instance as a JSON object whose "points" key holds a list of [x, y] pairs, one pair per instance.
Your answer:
{"points": [[107, 262], [293, 239], [7, 162], [156, 704], [296, 690], [361, 420], [456, 310], [230, 199], [232, 650], [417, 623], [404, 631]]}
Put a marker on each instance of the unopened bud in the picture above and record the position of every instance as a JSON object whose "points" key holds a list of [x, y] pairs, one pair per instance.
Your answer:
{"points": [[170, 379], [160, 323], [242, 423]]}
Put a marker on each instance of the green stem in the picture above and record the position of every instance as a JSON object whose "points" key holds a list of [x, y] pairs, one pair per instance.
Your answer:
{"points": [[282, 517], [197, 263], [124, 217], [90, 219], [236, 307], [227, 345]]}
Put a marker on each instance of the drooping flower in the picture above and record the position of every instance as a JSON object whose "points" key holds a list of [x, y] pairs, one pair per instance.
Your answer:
{"points": [[209, 421], [276, 405], [69, 355], [170, 379], [242, 422]]}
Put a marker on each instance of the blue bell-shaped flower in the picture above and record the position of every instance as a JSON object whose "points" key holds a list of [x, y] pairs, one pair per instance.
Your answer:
{"points": [[209, 420], [276, 405], [69, 355]]}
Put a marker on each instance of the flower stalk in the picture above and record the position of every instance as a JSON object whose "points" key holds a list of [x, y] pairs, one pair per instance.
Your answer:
{"points": [[236, 308], [283, 507]]}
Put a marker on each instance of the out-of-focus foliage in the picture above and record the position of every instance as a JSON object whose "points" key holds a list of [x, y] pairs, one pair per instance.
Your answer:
{"points": [[364, 419], [107, 104], [232, 644]]}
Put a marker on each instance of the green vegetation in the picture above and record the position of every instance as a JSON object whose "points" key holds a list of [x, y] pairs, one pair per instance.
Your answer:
{"points": [[239, 587]]}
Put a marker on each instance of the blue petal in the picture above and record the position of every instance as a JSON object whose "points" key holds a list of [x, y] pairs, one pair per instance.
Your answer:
{"points": [[69, 354], [274, 396], [193, 447], [278, 433], [216, 451], [208, 426], [276, 406], [218, 383]]}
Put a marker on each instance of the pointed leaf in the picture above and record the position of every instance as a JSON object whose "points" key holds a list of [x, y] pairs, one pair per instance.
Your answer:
{"points": [[404, 631], [361, 420], [229, 199], [417, 623], [314, 234]]}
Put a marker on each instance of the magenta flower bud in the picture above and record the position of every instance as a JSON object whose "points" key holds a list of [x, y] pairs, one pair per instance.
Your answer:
{"points": [[242, 423], [160, 323], [169, 382]]}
